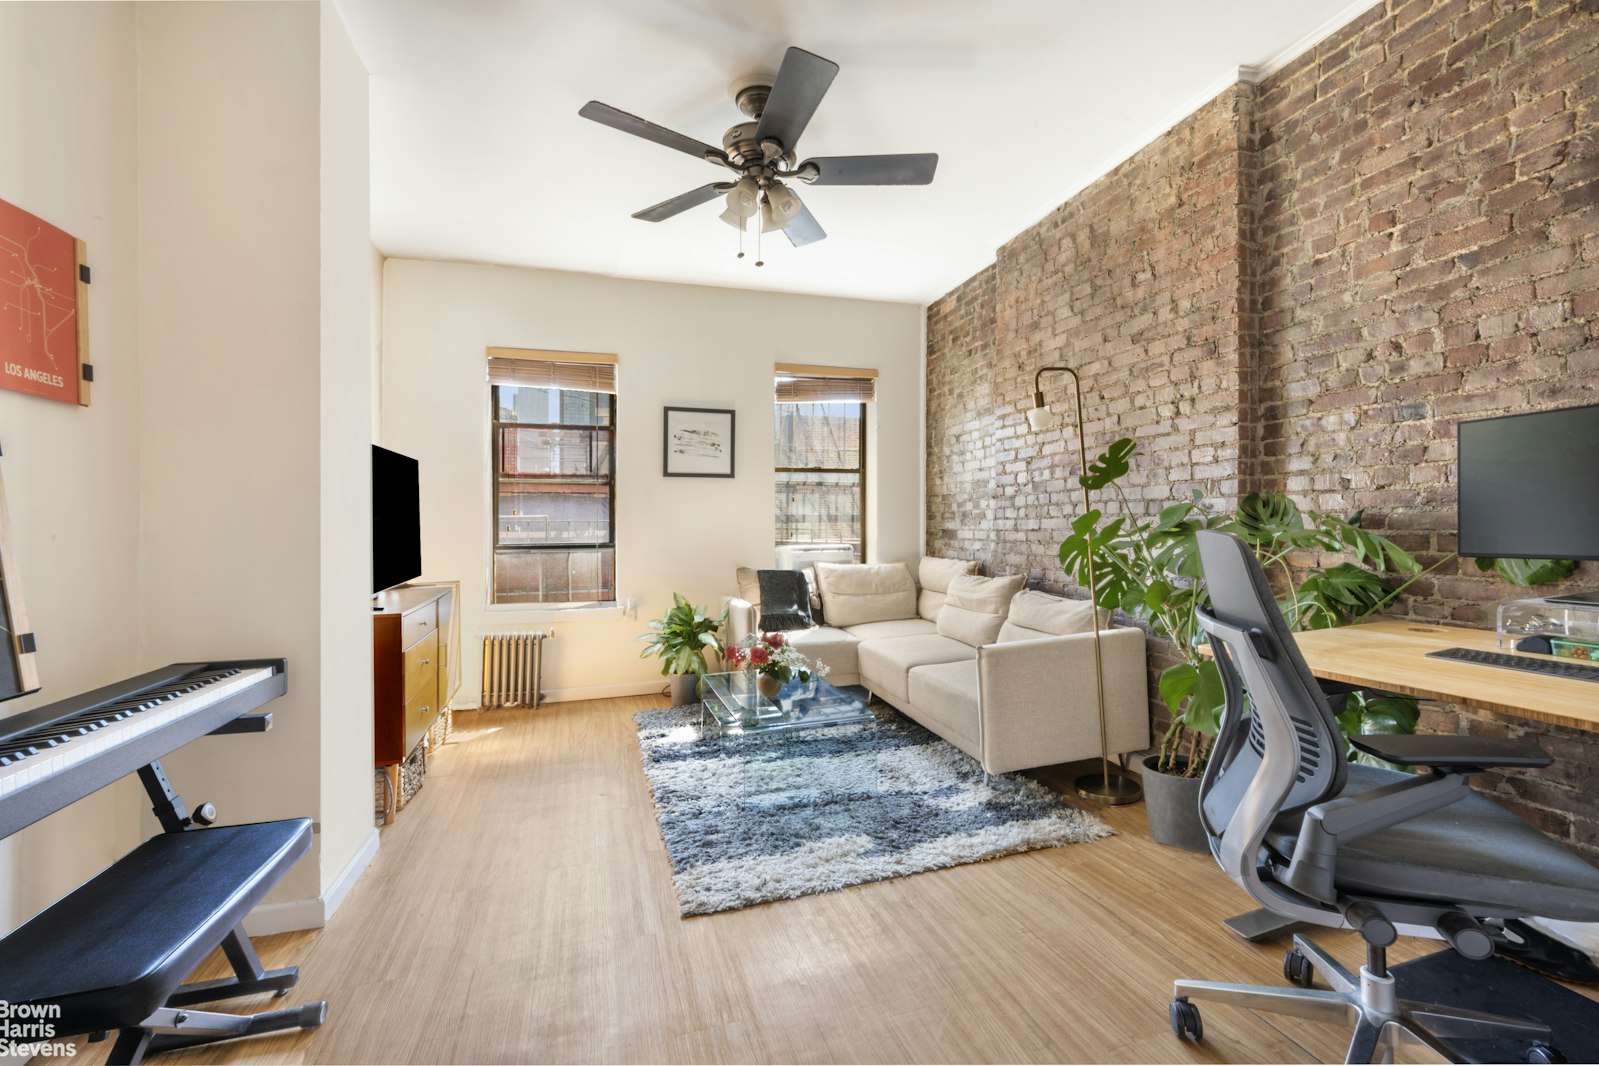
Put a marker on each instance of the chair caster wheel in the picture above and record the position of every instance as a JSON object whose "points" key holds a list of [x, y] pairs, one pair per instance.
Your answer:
{"points": [[1543, 1053], [1185, 1021], [1298, 969]]}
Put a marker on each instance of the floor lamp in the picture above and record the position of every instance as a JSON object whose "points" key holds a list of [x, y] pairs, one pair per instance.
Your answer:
{"points": [[1110, 787]]}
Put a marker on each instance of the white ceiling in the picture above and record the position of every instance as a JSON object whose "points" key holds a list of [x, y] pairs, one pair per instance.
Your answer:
{"points": [[478, 152]]}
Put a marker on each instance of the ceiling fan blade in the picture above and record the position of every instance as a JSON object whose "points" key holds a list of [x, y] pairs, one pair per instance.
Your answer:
{"points": [[606, 115], [873, 169], [682, 202], [803, 229], [801, 83]]}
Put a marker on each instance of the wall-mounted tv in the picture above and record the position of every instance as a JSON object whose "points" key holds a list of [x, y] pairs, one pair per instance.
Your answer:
{"points": [[396, 519], [1529, 485]]}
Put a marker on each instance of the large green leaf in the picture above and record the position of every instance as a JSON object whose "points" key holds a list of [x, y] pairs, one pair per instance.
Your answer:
{"points": [[1528, 572], [1268, 517], [1177, 684], [1110, 465]]}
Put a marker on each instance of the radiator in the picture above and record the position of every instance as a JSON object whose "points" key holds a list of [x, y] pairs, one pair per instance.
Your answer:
{"points": [[512, 668]]}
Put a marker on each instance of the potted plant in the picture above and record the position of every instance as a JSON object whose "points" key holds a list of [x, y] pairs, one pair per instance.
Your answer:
{"points": [[774, 660], [680, 638], [1150, 569]]}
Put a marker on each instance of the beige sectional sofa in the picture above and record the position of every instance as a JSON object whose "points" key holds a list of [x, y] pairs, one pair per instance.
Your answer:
{"points": [[1002, 672]]}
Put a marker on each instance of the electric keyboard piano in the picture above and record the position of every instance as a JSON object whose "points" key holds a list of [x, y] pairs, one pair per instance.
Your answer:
{"points": [[112, 954]]}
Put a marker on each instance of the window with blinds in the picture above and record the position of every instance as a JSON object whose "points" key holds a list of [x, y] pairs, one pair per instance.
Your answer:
{"points": [[820, 459], [553, 471]]}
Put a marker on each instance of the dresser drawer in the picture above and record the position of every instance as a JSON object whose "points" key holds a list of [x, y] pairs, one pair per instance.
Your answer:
{"points": [[421, 666], [414, 625], [420, 713]]}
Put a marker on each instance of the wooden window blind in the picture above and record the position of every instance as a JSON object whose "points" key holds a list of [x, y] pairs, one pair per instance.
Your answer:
{"points": [[817, 384], [531, 368]]}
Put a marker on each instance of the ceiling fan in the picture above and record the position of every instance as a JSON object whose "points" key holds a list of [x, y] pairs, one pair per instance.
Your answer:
{"points": [[762, 153]]}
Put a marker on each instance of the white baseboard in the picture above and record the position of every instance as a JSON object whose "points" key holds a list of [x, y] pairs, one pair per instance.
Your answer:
{"points": [[590, 692], [285, 916], [600, 692], [292, 915], [334, 896]]}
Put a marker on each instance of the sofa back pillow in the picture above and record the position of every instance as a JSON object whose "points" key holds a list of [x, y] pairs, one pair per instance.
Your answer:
{"points": [[975, 610], [935, 574], [1035, 614], [749, 586], [853, 593]]}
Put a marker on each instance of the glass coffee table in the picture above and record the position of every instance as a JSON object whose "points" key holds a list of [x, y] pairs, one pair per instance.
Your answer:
{"points": [[734, 706], [785, 768]]}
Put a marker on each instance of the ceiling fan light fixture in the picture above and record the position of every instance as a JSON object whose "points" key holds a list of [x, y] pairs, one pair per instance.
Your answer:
{"points": [[743, 201], [780, 208]]}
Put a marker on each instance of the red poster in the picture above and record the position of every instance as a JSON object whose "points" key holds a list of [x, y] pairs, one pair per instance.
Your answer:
{"points": [[41, 337]]}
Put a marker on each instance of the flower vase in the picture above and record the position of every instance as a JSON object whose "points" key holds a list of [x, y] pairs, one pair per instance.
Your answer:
{"points": [[768, 686]]}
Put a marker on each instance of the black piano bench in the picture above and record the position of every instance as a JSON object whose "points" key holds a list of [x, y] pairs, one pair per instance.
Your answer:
{"points": [[114, 952]]}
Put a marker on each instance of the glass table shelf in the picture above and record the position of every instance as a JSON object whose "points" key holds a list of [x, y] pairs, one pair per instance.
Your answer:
{"points": [[733, 705]]}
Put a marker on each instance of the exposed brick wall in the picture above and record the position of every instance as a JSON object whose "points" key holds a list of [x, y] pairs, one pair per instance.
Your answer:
{"points": [[960, 452], [1304, 286]]}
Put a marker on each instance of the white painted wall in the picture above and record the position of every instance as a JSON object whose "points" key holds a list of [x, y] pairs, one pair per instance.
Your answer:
{"points": [[230, 334], [346, 456], [679, 345], [71, 473], [253, 273]]}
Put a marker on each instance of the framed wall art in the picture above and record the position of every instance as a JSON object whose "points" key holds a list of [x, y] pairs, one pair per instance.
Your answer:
{"points": [[698, 442], [44, 332]]}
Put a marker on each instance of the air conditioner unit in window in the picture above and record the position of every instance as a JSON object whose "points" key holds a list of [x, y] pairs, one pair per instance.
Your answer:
{"points": [[799, 556]]}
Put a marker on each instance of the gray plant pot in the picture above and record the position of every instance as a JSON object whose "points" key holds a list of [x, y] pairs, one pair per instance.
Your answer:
{"points": [[1173, 805], [683, 688]]}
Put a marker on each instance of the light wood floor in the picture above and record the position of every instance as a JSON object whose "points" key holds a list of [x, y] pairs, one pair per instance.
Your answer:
{"points": [[521, 910]]}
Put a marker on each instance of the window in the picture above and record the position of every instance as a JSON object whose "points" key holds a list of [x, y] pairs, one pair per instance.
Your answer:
{"points": [[821, 456], [553, 470]]}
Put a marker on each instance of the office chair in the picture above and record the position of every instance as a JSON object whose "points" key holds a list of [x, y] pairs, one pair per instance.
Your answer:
{"points": [[1315, 838]]}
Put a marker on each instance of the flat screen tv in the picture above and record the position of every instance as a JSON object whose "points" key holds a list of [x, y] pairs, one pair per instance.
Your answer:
{"points": [[396, 519], [1529, 485]]}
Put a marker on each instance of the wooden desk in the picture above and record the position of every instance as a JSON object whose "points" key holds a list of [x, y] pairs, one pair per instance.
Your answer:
{"points": [[1392, 655]]}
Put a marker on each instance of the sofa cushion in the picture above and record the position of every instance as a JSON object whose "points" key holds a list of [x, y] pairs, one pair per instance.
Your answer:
{"points": [[976, 607], [969, 627], [853, 593], [990, 595], [945, 699], [934, 575], [900, 627], [749, 587], [885, 664], [832, 646], [1035, 614]]}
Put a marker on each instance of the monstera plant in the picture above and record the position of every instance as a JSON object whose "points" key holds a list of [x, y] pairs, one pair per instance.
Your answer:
{"points": [[1150, 569]]}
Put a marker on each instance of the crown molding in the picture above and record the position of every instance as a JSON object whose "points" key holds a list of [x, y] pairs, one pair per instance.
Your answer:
{"points": [[1254, 73]]}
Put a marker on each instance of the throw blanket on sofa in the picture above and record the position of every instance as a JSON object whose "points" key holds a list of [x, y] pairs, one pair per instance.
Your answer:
{"points": [[785, 600]]}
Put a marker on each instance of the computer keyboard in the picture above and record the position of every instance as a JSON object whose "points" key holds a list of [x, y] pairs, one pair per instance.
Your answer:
{"points": [[1547, 667]]}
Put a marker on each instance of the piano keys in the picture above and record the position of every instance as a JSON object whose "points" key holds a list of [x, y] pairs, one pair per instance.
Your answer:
{"points": [[57, 754]]}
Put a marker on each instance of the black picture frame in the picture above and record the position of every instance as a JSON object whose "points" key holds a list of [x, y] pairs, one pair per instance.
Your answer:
{"points": [[697, 442]]}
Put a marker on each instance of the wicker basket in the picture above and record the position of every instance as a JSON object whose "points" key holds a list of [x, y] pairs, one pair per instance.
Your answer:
{"points": [[440, 731]]}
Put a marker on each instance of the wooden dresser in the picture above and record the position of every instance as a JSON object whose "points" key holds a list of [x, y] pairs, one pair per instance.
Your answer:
{"points": [[414, 647]]}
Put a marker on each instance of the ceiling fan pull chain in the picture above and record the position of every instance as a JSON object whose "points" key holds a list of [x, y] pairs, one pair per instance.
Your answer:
{"points": [[741, 239], [758, 260]]}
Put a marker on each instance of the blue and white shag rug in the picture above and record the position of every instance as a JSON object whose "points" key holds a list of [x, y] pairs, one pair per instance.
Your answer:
{"points": [[748, 820]]}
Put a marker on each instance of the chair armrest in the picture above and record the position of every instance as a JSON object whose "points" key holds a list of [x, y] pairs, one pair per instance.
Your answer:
{"points": [[740, 619], [1451, 753]]}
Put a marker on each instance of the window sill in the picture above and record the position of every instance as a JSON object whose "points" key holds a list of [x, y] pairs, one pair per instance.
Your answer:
{"points": [[535, 612]]}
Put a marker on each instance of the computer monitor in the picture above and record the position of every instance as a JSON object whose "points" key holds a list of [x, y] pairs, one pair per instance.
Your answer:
{"points": [[1529, 485]]}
